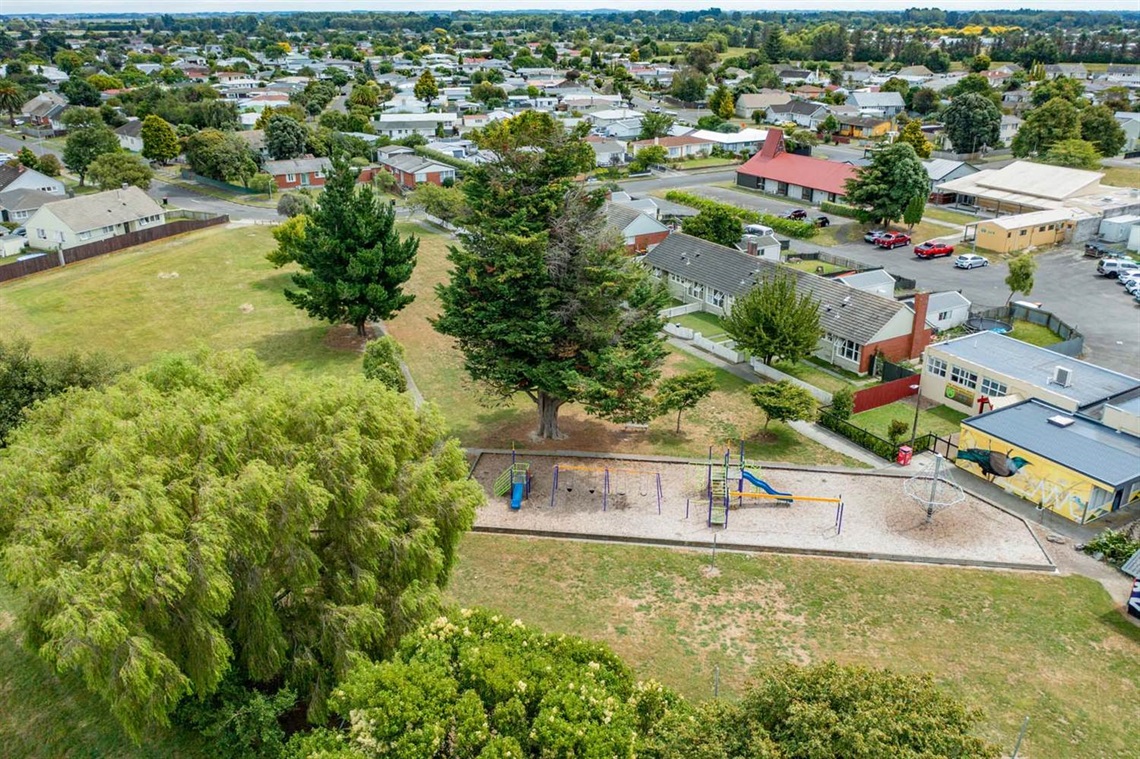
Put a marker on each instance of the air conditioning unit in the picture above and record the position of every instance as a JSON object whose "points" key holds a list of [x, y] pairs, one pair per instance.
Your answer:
{"points": [[1062, 376]]}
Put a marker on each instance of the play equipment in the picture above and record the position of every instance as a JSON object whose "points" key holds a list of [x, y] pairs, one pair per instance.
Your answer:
{"points": [[515, 480], [720, 496], [934, 488], [612, 479]]}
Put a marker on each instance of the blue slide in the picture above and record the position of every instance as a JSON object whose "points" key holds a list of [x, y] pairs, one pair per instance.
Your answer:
{"points": [[762, 485], [517, 495]]}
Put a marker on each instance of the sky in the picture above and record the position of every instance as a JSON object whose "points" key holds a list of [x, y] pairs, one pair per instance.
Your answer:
{"points": [[17, 7]]}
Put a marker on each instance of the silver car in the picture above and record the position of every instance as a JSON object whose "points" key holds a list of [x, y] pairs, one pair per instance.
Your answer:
{"points": [[970, 261]]}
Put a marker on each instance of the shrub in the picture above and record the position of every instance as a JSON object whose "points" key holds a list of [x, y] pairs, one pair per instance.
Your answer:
{"points": [[843, 403], [1116, 545], [897, 430], [294, 204], [382, 360], [839, 209], [798, 229]]}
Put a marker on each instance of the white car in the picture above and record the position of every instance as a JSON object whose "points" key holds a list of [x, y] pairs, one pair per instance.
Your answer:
{"points": [[970, 261], [5, 157], [1125, 276], [1132, 286]]}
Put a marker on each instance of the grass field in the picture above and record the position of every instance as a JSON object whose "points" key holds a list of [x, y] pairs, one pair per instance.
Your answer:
{"points": [[813, 375], [1034, 334], [1012, 644], [815, 267], [707, 324], [940, 420], [704, 163], [945, 214], [1119, 176]]}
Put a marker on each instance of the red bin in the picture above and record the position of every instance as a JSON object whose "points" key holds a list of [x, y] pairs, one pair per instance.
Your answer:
{"points": [[905, 455]]}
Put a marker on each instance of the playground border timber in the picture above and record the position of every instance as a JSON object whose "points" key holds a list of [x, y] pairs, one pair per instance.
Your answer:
{"points": [[476, 454]]}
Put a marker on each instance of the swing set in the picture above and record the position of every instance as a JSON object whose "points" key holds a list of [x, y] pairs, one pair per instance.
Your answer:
{"points": [[612, 481]]}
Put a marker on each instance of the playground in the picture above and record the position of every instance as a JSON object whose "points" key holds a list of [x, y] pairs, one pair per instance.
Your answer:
{"points": [[823, 511]]}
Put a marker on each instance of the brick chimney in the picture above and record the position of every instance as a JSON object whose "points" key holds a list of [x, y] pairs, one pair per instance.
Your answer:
{"points": [[753, 247], [919, 332]]}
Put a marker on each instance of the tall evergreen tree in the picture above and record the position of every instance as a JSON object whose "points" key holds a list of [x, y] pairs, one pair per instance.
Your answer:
{"points": [[541, 300], [353, 260], [426, 88], [913, 135], [1053, 122], [160, 141], [972, 120], [285, 138], [11, 98], [884, 187]]}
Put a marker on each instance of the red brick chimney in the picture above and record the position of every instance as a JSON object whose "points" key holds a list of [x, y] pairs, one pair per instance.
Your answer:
{"points": [[753, 247], [919, 332]]}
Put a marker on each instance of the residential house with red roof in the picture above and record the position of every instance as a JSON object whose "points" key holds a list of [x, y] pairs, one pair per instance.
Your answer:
{"points": [[778, 172]]}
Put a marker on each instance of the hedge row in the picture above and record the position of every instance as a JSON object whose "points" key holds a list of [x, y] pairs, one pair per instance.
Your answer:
{"points": [[839, 209], [799, 229], [435, 155]]}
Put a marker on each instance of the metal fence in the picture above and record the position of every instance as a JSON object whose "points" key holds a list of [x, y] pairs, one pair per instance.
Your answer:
{"points": [[1072, 342]]}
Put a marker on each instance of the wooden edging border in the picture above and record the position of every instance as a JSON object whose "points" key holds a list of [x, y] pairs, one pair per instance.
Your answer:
{"points": [[747, 548]]}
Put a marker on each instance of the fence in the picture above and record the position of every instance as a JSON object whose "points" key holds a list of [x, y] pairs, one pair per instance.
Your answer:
{"points": [[776, 375], [687, 308], [1072, 342], [53, 259], [887, 392], [861, 437], [889, 371], [727, 350], [827, 258]]}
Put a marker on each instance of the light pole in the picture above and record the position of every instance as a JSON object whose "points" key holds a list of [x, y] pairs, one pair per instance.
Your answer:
{"points": [[914, 427]]}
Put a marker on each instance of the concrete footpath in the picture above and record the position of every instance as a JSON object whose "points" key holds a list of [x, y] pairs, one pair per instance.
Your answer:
{"points": [[809, 430]]}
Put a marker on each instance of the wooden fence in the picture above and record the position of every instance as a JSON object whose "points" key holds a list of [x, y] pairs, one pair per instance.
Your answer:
{"points": [[52, 259], [884, 393]]}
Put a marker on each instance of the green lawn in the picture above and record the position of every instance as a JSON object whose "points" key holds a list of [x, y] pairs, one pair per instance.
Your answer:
{"points": [[813, 375], [704, 163], [1013, 644], [940, 420], [701, 321], [816, 267], [945, 214], [1034, 334], [131, 305], [1119, 176]]}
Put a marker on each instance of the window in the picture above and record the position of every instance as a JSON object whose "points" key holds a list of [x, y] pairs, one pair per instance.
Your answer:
{"points": [[84, 235], [993, 388], [1023, 232], [696, 291], [960, 376], [657, 272], [107, 230], [676, 278], [716, 298], [849, 349], [148, 220], [936, 366], [1052, 227], [20, 215], [41, 233], [944, 315], [1041, 228], [290, 177]]}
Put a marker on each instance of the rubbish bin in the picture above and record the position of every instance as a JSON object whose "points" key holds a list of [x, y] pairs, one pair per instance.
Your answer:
{"points": [[905, 455]]}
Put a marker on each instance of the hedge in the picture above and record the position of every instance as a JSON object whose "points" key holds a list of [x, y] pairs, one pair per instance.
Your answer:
{"points": [[839, 209], [435, 155], [798, 229]]}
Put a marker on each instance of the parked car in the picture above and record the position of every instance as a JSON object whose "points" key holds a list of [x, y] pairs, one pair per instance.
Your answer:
{"points": [[757, 229], [797, 214], [822, 221], [970, 261], [1096, 250], [1126, 277], [1132, 286], [893, 240], [873, 236], [933, 249], [655, 109], [1114, 267], [5, 157]]}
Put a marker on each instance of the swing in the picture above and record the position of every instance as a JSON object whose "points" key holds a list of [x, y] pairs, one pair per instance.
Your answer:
{"points": [[618, 485], [569, 483], [643, 487]]}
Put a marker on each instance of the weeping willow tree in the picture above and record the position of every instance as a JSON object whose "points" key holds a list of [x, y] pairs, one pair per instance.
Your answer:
{"points": [[199, 517]]}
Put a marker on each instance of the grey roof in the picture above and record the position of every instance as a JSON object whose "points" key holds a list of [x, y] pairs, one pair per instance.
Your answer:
{"points": [[132, 128], [801, 107], [1084, 446], [298, 166], [864, 279], [104, 209], [938, 168], [876, 99], [1127, 404], [1091, 384], [844, 311], [25, 199], [410, 164], [946, 301], [619, 217]]}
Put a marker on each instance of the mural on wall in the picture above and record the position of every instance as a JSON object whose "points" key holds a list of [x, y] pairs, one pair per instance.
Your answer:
{"points": [[1031, 477]]}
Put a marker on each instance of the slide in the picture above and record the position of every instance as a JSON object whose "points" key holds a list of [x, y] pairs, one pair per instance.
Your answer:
{"points": [[517, 495], [761, 484]]}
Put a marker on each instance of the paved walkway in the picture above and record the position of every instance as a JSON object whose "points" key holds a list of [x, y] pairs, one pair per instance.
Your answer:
{"points": [[809, 430]]}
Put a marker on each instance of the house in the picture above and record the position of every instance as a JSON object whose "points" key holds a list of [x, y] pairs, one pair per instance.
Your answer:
{"points": [[862, 127], [17, 206], [17, 176], [298, 172], [767, 247], [658, 208], [793, 76], [857, 325], [1026, 186], [1076, 467], [678, 148], [1017, 232], [640, 232], [412, 170], [608, 152], [1016, 99], [1071, 70], [749, 103], [960, 373], [943, 170], [1124, 73], [45, 111], [745, 141], [799, 112], [1130, 123], [914, 74], [603, 118], [1010, 124], [777, 172], [809, 92], [130, 136], [399, 125], [946, 310], [66, 224], [876, 281], [626, 130], [885, 104]]}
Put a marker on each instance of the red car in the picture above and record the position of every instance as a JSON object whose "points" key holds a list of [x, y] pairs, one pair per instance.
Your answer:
{"points": [[893, 240], [933, 249]]}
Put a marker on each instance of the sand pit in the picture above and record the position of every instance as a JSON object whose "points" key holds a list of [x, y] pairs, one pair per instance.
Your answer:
{"points": [[879, 520]]}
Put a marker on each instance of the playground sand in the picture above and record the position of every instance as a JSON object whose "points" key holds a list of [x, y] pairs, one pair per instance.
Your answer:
{"points": [[879, 519]]}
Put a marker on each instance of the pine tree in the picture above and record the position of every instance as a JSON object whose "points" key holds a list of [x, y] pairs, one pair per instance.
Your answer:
{"points": [[721, 103], [542, 301], [912, 214], [913, 135], [354, 263], [160, 141], [884, 187]]}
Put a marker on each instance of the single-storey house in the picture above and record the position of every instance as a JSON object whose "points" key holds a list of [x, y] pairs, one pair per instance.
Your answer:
{"points": [[298, 172], [799, 112], [130, 136], [943, 170], [775, 171], [749, 103], [960, 373], [857, 325], [763, 246], [679, 148], [876, 281], [66, 224], [862, 127], [1071, 70], [1130, 123], [17, 206], [399, 125], [745, 141], [1069, 464], [607, 152], [640, 232], [17, 176], [946, 310], [658, 208], [1009, 234], [45, 111], [886, 104], [1026, 186], [411, 170]]}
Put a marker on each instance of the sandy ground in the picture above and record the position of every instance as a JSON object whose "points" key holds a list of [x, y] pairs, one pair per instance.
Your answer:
{"points": [[879, 518]]}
